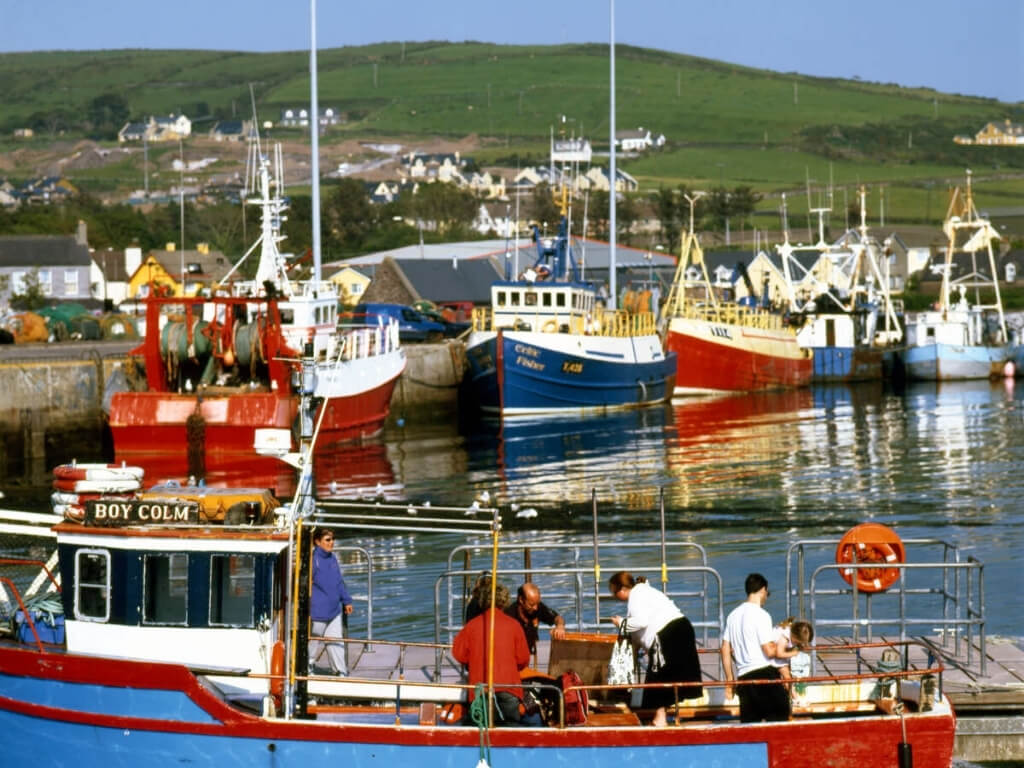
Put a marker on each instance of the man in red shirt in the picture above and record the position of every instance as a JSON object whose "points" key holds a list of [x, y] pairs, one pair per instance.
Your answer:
{"points": [[511, 654]]}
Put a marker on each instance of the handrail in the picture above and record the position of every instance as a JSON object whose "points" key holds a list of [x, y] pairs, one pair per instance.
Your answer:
{"points": [[959, 587], [706, 622]]}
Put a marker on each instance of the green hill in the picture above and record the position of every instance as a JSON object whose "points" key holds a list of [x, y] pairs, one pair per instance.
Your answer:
{"points": [[724, 124]]}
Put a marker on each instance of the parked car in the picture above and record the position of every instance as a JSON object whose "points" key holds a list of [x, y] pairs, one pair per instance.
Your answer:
{"points": [[452, 327], [412, 325]]}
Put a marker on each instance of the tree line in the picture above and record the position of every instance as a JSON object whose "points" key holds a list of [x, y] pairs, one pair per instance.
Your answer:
{"points": [[352, 225]]}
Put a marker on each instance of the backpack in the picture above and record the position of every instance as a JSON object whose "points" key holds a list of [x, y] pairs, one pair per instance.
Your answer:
{"points": [[576, 700]]}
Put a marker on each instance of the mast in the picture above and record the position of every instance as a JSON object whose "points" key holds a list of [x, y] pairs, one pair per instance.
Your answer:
{"points": [[612, 290], [314, 142]]}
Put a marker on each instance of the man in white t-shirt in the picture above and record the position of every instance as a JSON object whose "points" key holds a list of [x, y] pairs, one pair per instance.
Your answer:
{"points": [[749, 640]]}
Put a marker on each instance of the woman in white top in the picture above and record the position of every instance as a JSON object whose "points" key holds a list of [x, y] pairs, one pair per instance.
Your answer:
{"points": [[667, 635]]}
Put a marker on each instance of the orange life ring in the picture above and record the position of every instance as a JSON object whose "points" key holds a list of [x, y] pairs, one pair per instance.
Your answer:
{"points": [[277, 673], [870, 543]]}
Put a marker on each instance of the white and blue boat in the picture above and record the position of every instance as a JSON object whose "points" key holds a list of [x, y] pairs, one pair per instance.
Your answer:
{"points": [[962, 337], [547, 345], [840, 303]]}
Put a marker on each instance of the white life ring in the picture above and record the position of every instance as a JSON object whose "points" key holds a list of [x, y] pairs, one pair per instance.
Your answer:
{"points": [[97, 472], [96, 486]]}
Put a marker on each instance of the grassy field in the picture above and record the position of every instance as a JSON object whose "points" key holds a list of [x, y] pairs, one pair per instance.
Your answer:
{"points": [[725, 125]]}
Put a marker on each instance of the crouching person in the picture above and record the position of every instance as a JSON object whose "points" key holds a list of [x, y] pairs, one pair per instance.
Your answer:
{"points": [[472, 648]]}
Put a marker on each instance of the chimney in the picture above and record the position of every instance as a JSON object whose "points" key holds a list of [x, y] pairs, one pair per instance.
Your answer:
{"points": [[82, 234]]}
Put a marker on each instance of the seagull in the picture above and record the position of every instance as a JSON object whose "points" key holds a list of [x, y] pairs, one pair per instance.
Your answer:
{"points": [[527, 513], [334, 486], [425, 503], [514, 507], [411, 509], [473, 508], [380, 489], [484, 497]]}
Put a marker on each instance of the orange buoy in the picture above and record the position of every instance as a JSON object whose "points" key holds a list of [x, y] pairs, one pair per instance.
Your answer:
{"points": [[277, 673], [871, 543]]}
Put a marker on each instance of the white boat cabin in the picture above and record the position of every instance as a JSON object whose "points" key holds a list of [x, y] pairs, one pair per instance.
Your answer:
{"points": [[962, 327], [206, 597], [542, 307]]}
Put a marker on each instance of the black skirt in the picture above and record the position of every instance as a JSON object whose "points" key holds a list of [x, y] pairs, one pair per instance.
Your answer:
{"points": [[682, 665]]}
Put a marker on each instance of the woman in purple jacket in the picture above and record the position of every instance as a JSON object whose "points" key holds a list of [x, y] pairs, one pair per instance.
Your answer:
{"points": [[327, 600]]}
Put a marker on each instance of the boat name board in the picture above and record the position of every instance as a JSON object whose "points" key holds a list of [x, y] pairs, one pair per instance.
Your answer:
{"points": [[135, 512], [526, 357]]}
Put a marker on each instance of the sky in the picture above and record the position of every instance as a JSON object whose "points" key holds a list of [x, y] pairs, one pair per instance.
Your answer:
{"points": [[973, 47]]}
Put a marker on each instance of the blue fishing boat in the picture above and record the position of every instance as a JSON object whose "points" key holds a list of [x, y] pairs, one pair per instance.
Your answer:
{"points": [[169, 636], [547, 345], [963, 337]]}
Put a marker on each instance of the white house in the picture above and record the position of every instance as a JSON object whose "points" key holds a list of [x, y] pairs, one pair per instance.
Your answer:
{"points": [[639, 140]]}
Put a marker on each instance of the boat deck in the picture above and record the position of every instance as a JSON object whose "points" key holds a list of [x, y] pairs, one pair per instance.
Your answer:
{"points": [[999, 688]]}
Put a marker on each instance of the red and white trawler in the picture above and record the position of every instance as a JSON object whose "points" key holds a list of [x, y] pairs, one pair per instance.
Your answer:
{"points": [[724, 346], [219, 367]]}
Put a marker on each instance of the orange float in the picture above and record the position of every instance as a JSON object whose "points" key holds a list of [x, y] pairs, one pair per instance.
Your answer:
{"points": [[277, 673], [871, 543]]}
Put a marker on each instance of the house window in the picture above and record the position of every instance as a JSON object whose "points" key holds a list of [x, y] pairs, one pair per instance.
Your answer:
{"points": [[70, 282], [1011, 272], [92, 585], [45, 282], [165, 589], [232, 582], [355, 289], [18, 282]]}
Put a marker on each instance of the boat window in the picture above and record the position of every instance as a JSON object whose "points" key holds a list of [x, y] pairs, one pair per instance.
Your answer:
{"points": [[547, 299], [232, 579], [514, 296], [560, 299], [530, 299], [502, 298], [287, 316], [316, 315], [92, 585], [165, 588]]}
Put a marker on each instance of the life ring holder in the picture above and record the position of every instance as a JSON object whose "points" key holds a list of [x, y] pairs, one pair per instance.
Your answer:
{"points": [[870, 543]]}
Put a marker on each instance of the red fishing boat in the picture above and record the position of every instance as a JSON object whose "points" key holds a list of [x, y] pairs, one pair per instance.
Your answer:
{"points": [[725, 346], [213, 369]]}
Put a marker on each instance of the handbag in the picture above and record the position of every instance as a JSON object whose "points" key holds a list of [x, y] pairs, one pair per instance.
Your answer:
{"points": [[622, 666]]}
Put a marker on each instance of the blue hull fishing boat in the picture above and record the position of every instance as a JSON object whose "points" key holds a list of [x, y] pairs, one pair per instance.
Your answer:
{"points": [[173, 637], [546, 345], [963, 337]]}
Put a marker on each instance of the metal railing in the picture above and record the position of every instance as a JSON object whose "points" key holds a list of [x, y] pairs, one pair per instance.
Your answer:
{"points": [[958, 587]]}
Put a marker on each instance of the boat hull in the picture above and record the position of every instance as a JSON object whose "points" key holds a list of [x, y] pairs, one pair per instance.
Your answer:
{"points": [[156, 422], [954, 362], [523, 372], [62, 708], [357, 395], [721, 357], [835, 364]]}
